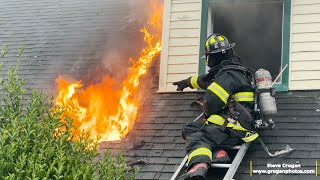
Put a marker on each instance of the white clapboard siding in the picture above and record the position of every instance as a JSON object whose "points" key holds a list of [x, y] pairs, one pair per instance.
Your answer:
{"points": [[306, 37], [305, 85], [181, 68], [185, 33], [306, 28], [306, 8], [180, 42], [306, 18], [300, 2], [305, 45], [185, 24], [183, 50], [305, 66], [184, 41], [184, 1], [184, 59], [305, 75], [305, 56], [184, 7], [186, 16]]}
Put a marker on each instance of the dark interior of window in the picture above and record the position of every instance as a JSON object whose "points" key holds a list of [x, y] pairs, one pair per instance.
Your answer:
{"points": [[256, 28]]}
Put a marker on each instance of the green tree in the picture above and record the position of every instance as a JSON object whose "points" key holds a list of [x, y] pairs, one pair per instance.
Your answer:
{"points": [[36, 144]]}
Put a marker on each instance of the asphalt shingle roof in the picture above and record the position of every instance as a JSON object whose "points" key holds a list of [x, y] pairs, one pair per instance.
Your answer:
{"points": [[159, 127], [59, 36], [297, 124]]}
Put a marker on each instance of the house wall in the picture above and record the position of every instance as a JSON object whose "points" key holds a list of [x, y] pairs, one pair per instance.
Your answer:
{"points": [[181, 39], [305, 45], [180, 42]]}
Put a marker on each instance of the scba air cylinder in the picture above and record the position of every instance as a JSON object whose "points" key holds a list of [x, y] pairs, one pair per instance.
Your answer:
{"points": [[264, 86]]}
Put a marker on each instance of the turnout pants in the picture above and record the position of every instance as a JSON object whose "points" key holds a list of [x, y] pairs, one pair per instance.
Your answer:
{"points": [[204, 141]]}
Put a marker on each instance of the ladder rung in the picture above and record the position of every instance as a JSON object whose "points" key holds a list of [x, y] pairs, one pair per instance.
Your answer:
{"points": [[232, 147], [236, 147], [221, 165]]}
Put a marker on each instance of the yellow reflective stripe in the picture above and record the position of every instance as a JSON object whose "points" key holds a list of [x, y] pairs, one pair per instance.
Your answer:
{"points": [[212, 40], [243, 96], [250, 136], [218, 120], [194, 83], [219, 91], [207, 43], [239, 127], [200, 152], [220, 38]]}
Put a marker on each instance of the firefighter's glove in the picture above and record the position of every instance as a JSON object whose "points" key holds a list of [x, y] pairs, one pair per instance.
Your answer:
{"points": [[182, 84]]}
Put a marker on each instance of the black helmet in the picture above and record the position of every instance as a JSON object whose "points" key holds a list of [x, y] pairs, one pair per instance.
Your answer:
{"points": [[217, 43], [218, 49]]}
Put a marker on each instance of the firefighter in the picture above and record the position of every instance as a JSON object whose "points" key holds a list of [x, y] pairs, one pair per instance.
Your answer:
{"points": [[228, 108]]}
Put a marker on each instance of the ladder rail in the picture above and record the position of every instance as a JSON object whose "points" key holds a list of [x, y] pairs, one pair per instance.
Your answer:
{"points": [[236, 161], [181, 166], [232, 168], [184, 161]]}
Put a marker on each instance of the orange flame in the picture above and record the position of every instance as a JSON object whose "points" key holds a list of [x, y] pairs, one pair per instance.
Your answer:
{"points": [[108, 113]]}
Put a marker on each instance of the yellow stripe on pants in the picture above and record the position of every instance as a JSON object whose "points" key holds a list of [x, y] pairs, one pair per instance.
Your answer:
{"points": [[200, 152]]}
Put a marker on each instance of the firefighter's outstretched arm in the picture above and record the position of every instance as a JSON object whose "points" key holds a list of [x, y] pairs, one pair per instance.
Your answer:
{"points": [[218, 92], [193, 82]]}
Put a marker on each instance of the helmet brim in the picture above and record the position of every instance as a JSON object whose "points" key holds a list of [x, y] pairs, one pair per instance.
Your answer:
{"points": [[220, 50]]}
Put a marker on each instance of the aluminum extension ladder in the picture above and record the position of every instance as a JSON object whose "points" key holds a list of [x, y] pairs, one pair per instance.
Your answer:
{"points": [[232, 168]]}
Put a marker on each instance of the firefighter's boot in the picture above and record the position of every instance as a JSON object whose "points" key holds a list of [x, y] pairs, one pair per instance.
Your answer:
{"points": [[221, 156], [197, 172]]}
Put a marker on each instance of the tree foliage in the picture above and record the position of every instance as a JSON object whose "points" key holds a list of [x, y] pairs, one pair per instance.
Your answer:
{"points": [[36, 144]]}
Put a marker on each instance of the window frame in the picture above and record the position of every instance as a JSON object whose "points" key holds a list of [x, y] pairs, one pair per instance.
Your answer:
{"points": [[284, 81]]}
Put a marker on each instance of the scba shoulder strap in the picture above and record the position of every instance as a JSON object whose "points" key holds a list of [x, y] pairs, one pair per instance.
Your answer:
{"points": [[227, 65], [237, 67]]}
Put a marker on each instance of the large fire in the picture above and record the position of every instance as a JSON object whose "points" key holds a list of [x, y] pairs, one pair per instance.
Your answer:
{"points": [[100, 109]]}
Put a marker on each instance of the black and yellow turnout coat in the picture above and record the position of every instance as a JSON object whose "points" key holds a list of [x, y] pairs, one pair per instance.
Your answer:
{"points": [[229, 103]]}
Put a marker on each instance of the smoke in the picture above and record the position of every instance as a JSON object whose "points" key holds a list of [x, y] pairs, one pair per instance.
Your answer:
{"points": [[126, 43], [117, 76], [256, 28], [106, 50], [84, 40]]}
